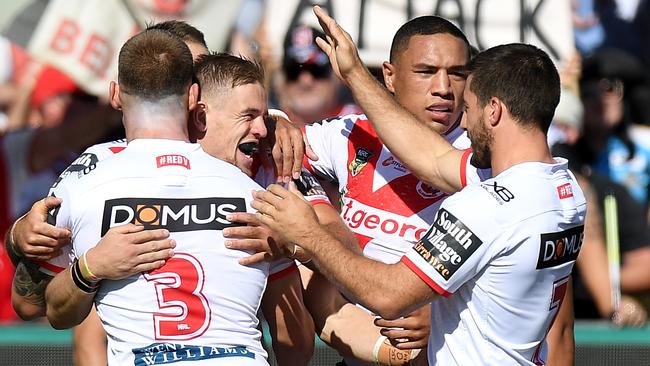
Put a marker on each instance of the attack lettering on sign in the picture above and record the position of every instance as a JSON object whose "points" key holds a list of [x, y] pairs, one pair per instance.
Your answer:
{"points": [[448, 244], [175, 215]]}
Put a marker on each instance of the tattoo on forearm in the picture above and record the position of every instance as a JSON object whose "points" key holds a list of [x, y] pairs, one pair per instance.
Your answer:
{"points": [[30, 283]]}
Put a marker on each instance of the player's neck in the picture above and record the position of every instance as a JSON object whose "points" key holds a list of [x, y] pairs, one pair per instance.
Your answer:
{"points": [[144, 123], [520, 146]]}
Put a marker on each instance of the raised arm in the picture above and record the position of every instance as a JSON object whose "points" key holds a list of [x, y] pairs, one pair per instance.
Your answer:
{"points": [[406, 137]]}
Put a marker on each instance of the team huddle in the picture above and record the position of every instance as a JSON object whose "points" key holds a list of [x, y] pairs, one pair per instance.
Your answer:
{"points": [[453, 243]]}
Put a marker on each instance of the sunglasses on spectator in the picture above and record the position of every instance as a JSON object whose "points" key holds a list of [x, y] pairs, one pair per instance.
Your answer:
{"points": [[293, 71]]}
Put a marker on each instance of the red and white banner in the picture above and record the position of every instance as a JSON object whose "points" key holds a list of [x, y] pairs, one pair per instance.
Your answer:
{"points": [[82, 38]]}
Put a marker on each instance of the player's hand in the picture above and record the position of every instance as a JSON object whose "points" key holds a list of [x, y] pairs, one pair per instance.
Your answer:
{"points": [[289, 147], [254, 237], [35, 238], [630, 313], [286, 213], [129, 249], [339, 46], [415, 332]]}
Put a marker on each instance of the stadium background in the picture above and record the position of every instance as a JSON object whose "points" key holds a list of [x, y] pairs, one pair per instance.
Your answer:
{"points": [[546, 23], [597, 344]]}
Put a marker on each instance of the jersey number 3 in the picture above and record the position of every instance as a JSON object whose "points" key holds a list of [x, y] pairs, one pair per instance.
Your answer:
{"points": [[178, 288]]}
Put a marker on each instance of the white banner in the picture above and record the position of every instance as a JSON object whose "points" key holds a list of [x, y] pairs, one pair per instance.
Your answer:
{"points": [[83, 37], [545, 23]]}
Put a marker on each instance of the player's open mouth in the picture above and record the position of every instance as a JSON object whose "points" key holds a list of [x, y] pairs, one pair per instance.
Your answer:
{"points": [[249, 148], [440, 112]]}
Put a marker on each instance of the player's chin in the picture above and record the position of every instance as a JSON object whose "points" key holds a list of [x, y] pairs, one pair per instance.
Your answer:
{"points": [[244, 163], [441, 125]]}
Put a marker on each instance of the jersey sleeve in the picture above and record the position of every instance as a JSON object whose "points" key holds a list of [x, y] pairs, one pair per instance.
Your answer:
{"points": [[311, 188], [456, 247], [59, 217], [470, 174], [280, 268], [321, 137]]}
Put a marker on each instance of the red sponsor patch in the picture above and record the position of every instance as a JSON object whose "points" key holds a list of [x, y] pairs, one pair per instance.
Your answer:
{"points": [[167, 160], [565, 191]]}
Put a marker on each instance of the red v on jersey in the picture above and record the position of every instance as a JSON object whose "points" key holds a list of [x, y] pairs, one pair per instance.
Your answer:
{"points": [[404, 195]]}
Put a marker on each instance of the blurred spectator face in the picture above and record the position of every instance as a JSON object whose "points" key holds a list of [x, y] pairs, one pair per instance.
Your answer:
{"points": [[51, 96], [310, 87], [603, 100], [53, 110], [424, 81], [235, 124]]}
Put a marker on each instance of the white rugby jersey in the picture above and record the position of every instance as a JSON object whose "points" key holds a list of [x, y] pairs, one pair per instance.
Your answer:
{"points": [[382, 202], [501, 252], [198, 309], [87, 162]]}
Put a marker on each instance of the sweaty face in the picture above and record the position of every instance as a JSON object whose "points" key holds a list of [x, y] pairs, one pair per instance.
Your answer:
{"points": [[426, 79], [477, 130], [235, 125]]}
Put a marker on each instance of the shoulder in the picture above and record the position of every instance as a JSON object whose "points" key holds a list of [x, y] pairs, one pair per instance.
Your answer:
{"points": [[206, 165], [85, 163], [344, 122], [458, 138], [106, 149]]}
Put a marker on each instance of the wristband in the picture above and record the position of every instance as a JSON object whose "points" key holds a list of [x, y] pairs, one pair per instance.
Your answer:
{"points": [[296, 256], [85, 270], [375, 349], [278, 113], [14, 255], [81, 283]]}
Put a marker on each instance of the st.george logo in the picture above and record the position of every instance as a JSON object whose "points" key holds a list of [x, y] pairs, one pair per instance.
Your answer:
{"points": [[360, 160]]}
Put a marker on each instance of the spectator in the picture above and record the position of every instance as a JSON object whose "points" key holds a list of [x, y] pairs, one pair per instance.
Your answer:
{"points": [[592, 290], [306, 88], [612, 143]]}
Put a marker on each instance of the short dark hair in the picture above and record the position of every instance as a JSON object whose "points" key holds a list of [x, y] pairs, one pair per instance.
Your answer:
{"points": [[181, 30], [222, 70], [424, 26], [520, 75], [154, 64]]}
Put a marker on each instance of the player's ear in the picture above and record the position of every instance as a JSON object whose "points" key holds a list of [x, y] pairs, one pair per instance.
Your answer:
{"points": [[495, 109], [114, 95], [193, 97], [198, 121], [388, 70]]}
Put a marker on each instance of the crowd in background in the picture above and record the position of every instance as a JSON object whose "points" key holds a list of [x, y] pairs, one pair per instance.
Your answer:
{"points": [[602, 125]]}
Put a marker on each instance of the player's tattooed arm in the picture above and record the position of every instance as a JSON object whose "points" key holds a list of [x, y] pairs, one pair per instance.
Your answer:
{"points": [[28, 291]]}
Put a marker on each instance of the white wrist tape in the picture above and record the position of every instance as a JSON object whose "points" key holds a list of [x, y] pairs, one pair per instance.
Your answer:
{"points": [[375, 349], [278, 113]]}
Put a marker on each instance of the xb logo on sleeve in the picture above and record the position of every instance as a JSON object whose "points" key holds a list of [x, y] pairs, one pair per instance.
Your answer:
{"points": [[500, 193], [360, 160]]}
